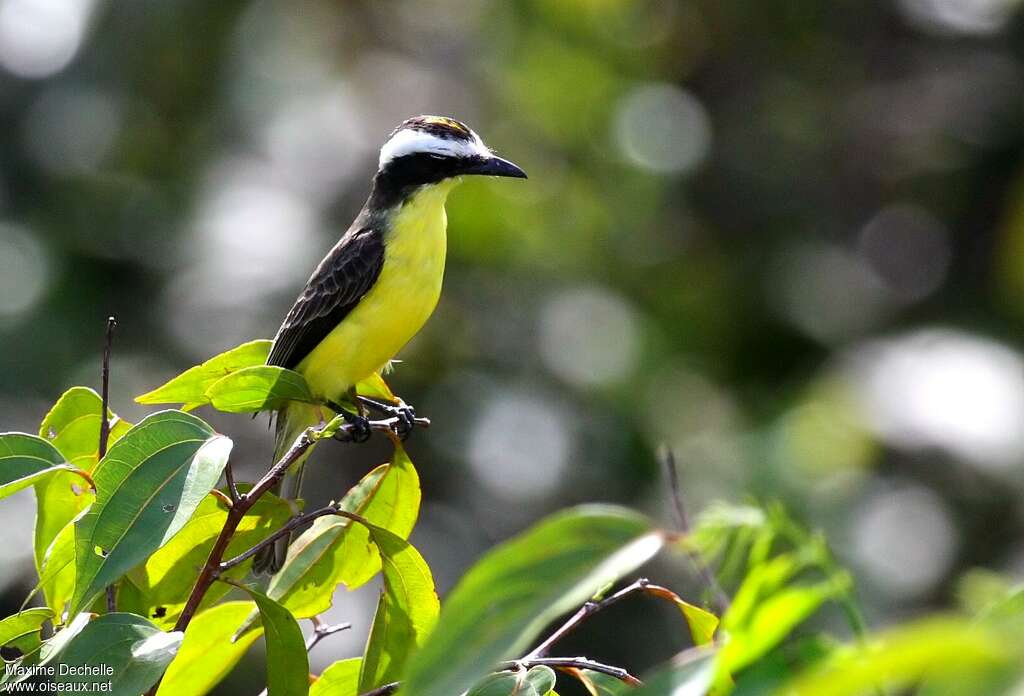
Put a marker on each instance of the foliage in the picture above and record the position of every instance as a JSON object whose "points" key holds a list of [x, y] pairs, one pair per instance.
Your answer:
{"points": [[157, 515]]}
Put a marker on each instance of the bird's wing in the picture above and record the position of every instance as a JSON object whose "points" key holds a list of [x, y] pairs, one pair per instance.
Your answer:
{"points": [[335, 288]]}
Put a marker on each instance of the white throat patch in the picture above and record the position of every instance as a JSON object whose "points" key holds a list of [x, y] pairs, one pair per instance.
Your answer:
{"points": [[412, 141]]}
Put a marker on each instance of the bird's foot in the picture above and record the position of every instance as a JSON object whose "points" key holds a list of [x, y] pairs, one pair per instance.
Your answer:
{"points": [[403, 413], [360, 431]]}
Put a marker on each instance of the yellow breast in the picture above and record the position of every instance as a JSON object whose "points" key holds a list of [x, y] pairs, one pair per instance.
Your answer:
{"points": [[398, 304]]}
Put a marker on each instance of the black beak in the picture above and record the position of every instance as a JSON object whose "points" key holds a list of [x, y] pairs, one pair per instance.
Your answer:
{"points": [[494, 166]]}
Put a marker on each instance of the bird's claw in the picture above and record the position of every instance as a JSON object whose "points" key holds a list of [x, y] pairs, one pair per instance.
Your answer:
{"points": [[360, 430], [403, 413], [406, 420]]}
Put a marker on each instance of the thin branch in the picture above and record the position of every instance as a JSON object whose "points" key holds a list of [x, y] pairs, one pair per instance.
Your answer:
{"points": [[105, 387], [584, 612], [619, 673], [101, 450], [385, 690], [668, 461], [289, 526], [321, 630], [229, 476], [211, 569]]}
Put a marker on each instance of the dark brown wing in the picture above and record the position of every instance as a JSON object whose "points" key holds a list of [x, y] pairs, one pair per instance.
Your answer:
{"points": [[339, 282]]}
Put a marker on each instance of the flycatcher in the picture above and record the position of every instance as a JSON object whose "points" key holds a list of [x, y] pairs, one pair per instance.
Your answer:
{"points": [[379, 284]]}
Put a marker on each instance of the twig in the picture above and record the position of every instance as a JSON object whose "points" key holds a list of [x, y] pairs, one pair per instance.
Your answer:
{"points": [[668, 461], [101, 450], [211, 569], [105, 387], [587, 610], [619, 673], [235, 514], [322, 630], [229, 476], [292, 524], [385, 690]]}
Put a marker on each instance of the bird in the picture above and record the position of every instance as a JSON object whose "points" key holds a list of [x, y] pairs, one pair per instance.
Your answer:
{"points": [[376, 288]]}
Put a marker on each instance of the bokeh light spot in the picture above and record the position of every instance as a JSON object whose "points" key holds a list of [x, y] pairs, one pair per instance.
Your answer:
{"points": [[827, 292], [40, 37], [589, 336], [24, 271], [908, 249], [520, 446], [663, 128], [978, 17], [70, 130], [948, 389], [905, 540]]}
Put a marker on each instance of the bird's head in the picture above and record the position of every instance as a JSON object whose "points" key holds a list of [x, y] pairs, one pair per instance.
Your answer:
{"points": [[429, 149]]}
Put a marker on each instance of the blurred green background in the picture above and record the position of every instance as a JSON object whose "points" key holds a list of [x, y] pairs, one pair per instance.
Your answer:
{"points": [[786, 237]]}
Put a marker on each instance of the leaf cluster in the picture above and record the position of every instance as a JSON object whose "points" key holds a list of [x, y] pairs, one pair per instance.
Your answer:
{"points": [[143, 558]]}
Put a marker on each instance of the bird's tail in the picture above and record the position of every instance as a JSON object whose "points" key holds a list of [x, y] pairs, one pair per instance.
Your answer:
{"points": [[292, 421]]}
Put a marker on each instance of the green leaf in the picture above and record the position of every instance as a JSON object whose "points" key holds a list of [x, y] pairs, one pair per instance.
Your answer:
{"points": [[728, 531], [149, 484], [27, 459], [260, 388], [508, 597], [73, 427], [135, 650], [208, 654], [19, 670], [287, 663], [340, 679], [935, 648], [406, 613], [335, 550], [762, 580], [538, 681], [57, 571], [159, 587], [375, 387], [702, 623], [190, 387], [22, 629], [61, 491], [195, 387], [773, 619]]}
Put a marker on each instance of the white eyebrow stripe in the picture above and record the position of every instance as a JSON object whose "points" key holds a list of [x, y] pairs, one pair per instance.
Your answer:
{"points": [[410, 141]]}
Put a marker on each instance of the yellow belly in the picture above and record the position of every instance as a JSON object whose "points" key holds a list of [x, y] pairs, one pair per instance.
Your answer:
{"points": [[398, 304]]}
